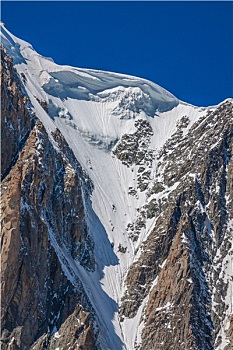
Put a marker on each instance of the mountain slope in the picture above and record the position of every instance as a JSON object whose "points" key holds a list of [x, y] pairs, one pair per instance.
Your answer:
{"points": [[134, 191], [37, 295]]}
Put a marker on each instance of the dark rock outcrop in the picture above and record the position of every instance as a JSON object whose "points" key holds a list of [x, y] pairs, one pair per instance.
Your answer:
{"points": [[186, 251], [43, 224], [16, 119]]}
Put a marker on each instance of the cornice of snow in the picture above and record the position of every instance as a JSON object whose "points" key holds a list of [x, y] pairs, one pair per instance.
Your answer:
{"points": [[71, 82]]}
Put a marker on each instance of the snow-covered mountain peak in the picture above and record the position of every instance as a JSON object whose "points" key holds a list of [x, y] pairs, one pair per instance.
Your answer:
{"points": [[75, 83], [102, 106], [104, 117], [131, 151]]}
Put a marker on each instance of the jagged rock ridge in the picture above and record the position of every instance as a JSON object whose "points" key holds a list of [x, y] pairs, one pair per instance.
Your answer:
{"points": [[41, 192], [193, 227]]}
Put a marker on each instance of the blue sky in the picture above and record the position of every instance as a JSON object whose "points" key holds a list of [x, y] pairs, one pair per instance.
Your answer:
{"points": [[186, 47]]}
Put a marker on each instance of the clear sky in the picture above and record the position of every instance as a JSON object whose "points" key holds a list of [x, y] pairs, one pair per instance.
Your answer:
{"points": [[185, 47]]}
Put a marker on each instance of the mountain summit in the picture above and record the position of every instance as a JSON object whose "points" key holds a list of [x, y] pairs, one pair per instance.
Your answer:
{"points": [[117, 211]]}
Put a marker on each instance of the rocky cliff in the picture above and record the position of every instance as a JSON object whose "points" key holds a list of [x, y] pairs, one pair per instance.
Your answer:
{"points": [[117, 212], [41, 192], [185, 264]]}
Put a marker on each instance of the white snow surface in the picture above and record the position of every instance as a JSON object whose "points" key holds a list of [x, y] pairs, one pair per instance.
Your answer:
{"points": [[93, 109]]}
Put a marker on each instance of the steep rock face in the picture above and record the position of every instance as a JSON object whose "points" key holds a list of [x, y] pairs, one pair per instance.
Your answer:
{"points": [[42, 215], [16, 119], [188, 253], [169, 301], [75, 333]]}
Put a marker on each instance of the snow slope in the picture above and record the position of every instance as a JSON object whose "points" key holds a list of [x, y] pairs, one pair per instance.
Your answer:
{"points": [[93, 110]]}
